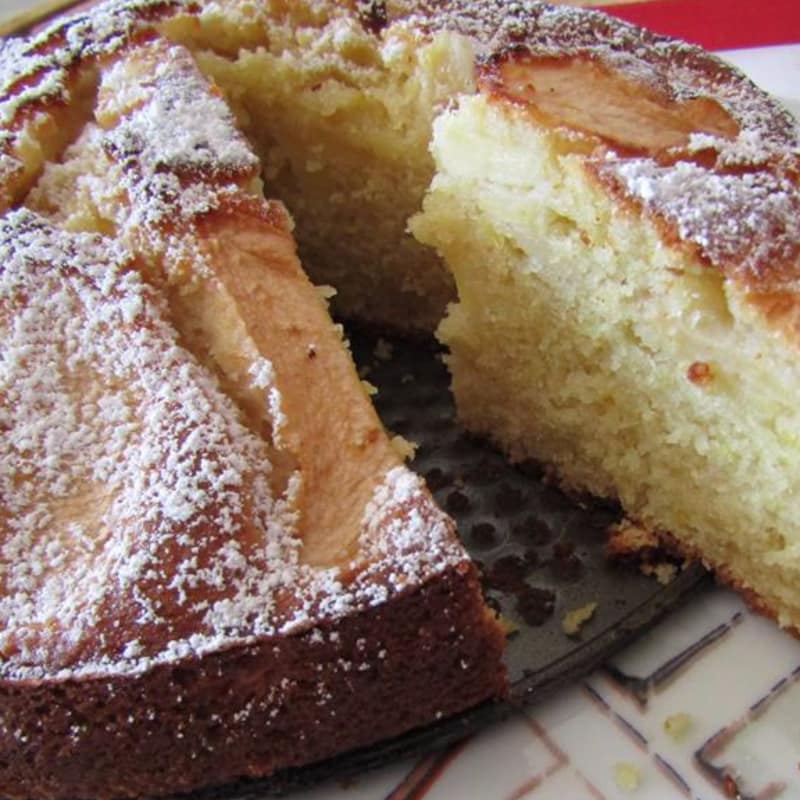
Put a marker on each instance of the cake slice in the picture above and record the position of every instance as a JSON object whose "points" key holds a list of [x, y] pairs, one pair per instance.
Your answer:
{"points": [[621, 214], [213, 564]]}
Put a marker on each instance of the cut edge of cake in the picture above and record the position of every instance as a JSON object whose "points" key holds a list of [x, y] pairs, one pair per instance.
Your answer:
{"points": [[626, 259]]}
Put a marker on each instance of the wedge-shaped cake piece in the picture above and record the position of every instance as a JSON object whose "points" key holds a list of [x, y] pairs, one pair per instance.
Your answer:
{"points": [[212, 562], [621, 214]]}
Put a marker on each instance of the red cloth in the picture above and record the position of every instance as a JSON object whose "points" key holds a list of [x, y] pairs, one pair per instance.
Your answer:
{"points": [[718, 24]]}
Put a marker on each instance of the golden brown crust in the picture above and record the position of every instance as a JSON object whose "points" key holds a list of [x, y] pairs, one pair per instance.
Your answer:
{"points": [[47, 83], [677, 134], [640, 544], [724, 184], [674, 133], [250, 710]]}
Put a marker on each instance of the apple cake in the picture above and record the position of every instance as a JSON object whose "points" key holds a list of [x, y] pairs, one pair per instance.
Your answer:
{"points": [[213, 562]]}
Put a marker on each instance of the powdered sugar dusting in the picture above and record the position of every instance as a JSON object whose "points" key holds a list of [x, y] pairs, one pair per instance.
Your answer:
{"points": [[174, 144], [76, 38], [171, 121], [35, 71], [262, 376], [679, 70], [132, 492], [138, 522], [768, 137], [164, 151], [395, 520], [742, 221], [168, 542], [734, 197], [119, 454]]}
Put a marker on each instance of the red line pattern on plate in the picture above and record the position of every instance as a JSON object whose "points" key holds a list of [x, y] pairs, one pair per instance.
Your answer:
{"points": [[425, 773]]}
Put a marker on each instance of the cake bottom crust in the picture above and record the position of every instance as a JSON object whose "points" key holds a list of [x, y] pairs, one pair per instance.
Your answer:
{"points": [[649, 547], [253, 710]]}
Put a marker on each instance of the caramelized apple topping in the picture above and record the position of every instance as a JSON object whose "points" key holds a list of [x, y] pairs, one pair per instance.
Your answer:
{"points": [[588, 97]]}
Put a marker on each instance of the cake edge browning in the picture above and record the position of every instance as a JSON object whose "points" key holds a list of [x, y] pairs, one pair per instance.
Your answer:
{"points": [[744, 168], [87, 728], [160, 732], [636, 543]]}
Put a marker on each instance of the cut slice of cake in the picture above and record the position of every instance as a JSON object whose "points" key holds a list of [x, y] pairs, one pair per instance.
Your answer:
{"points": [[621, 214], [213, 564]]}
